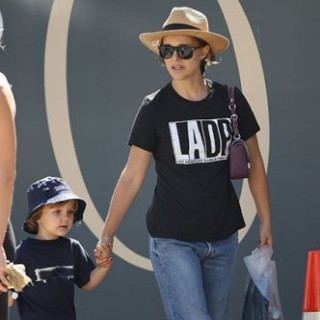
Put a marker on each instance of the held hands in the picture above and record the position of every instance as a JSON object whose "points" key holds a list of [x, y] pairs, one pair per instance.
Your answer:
{"points": [[103, 254], [102, 261]]}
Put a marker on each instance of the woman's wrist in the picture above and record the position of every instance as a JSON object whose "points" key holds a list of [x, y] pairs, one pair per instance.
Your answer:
{"points": [[267, 223], [108, 241], [107, 236], [265, 217]]}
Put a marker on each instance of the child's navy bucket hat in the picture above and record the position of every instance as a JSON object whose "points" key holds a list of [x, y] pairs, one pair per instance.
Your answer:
{"points": [[51, 190]]}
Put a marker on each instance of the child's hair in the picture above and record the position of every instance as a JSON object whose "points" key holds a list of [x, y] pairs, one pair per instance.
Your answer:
{"points": [[32, 222]]}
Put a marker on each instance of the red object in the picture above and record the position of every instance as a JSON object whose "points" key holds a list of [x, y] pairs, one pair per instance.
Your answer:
{"points": [[312, 286]]}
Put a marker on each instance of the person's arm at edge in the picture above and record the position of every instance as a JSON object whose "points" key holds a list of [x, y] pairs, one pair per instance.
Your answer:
{"points": [[260, 191], [7, 163]]}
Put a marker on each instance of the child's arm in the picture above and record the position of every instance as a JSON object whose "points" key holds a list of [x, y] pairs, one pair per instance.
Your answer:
{"points": [[98, 274]]}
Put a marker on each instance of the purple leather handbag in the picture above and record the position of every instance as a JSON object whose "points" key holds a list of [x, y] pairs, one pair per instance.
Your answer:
{"points": [[238, 153]]}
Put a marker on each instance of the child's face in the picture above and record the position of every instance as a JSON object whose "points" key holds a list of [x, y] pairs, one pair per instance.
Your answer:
{"points": [[56, 221]]}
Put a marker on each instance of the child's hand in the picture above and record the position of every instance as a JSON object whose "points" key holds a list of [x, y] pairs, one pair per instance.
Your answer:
{"points": [[103, 256], [100, 252], [104, 263]]}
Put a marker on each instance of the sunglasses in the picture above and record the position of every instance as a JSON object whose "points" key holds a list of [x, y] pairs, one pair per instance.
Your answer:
{"points": [[184, 51]]}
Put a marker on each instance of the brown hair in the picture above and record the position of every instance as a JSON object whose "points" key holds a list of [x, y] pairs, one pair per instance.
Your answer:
{"points": [[209, 59], [32, 222]]}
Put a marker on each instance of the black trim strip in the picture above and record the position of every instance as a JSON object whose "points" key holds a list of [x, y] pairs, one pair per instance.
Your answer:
{"points": [[177, 26]]}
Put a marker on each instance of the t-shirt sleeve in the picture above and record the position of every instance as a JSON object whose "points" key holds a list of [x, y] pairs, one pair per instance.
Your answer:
{"points": [[83, 264], [248, 125], [143, 133]]}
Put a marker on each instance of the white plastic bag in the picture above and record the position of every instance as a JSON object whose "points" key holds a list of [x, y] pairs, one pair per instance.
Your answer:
{"points": [[264, 275]]}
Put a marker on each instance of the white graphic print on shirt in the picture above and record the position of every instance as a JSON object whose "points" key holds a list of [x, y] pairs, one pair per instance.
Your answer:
{"points": [[54, 273], [200, 140]]}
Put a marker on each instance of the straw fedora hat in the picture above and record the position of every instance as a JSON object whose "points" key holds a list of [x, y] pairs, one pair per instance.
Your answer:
{"points": [[185, 21]]}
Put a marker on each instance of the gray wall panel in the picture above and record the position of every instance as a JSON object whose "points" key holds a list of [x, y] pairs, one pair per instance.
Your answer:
{"points": [[109, 72]]}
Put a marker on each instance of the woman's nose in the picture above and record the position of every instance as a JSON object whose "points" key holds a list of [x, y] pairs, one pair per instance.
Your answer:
{"points": [[175, 55]]}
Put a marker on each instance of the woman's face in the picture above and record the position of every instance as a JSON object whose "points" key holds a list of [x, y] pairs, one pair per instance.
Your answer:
{"points": [[179, 68]]}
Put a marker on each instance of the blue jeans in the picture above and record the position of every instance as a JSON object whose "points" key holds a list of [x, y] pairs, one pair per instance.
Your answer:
{"points": [[194, 278]]}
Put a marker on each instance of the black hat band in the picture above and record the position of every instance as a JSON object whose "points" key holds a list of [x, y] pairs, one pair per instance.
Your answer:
{"points": [[178, 26]]}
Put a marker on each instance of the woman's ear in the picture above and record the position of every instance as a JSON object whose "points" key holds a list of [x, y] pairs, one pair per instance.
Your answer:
{"points": [[205, 52]]}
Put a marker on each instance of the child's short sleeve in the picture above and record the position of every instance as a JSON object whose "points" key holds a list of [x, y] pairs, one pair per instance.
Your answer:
{"points": [[83, 264]]}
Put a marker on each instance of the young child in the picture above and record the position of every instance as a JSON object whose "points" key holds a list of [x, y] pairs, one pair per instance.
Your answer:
{"points": [[54, 262]]}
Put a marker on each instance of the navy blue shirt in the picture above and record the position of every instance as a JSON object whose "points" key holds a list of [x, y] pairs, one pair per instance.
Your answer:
{"points": [[54, 267]]}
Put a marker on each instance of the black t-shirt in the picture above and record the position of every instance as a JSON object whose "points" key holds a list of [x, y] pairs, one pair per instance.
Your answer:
{"points": [[194, 199], [54, 266]]}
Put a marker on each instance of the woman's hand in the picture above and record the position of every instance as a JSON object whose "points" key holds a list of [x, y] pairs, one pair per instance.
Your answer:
{"points": [[265, 236]]}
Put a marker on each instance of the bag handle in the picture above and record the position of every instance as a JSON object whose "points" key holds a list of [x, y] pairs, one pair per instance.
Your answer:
{"points": [[234, 116]]}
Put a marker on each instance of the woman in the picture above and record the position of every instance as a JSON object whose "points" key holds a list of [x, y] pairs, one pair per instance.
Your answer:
{"points": [[7, 176], [195, 215]]}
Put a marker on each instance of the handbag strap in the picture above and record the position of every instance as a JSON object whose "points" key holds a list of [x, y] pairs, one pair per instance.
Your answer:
{"points": [[233, 116]]}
